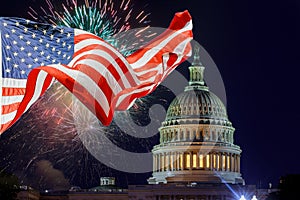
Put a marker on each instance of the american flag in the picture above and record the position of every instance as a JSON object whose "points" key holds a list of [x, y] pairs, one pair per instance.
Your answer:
{"points": [[34, 55]]}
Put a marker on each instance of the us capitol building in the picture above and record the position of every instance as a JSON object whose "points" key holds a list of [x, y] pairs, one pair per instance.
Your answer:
{"points": [[196, 138], [196, 158]]}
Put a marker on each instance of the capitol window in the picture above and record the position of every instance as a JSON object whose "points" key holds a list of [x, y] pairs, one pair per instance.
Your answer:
{"points": [[215, 161], [207, 161], [201, 164], [194, 160], [162, 163], [197, 135], [181, 161], [223, 161], [228, 162], [188, 160]]}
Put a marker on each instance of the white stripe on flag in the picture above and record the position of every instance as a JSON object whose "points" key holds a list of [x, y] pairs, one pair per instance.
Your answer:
{"points": [[14, 83], [101, 69], [87, 42], [88, 83], [8, 117], [124, 96], [111, 60], [38, 88], [149, 54], [7, 100]]}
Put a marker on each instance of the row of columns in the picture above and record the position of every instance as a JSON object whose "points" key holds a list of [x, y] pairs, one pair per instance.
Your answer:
{"points": [[178, 161], [191, 134], [195, 109]]}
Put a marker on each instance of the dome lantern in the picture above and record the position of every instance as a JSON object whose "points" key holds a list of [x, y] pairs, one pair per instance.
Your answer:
{"points": [[196, 73]]}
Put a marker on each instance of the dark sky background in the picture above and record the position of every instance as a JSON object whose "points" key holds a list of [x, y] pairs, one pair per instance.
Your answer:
{"points": [[255, 45]]}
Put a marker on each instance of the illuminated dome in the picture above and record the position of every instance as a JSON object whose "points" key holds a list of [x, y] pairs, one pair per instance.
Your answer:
{"points": [[196, 138], [196, 104]]}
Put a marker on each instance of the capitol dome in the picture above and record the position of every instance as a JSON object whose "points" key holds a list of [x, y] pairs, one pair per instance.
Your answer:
{"points": [[195, 104], [196, 138]]}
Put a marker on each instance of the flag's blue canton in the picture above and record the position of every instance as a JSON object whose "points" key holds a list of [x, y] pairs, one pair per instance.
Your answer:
{"points": [[27, 44]]}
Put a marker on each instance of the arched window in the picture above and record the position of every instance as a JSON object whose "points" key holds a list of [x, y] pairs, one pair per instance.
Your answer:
{"points": [[233, 163], [171, 162], [181, 161], [162, 159], [207, 161], [189, 111], [201, 135], [172, 136], [201, 163], [198, 135], [181, 135], [213, 136], [207, 134], [167, 162], [228, 162], [188, 160], [193, 134], [194, 160], [223, 162], [215, 161], [162, 139]]}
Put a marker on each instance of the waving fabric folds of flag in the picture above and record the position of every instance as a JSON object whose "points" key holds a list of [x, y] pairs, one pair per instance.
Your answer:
{"points": [[34, 55]]}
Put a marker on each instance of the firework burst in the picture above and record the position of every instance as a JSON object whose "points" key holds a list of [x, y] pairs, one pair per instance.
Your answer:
{"points": [[106, 19], [98, 17], [56, 125]]}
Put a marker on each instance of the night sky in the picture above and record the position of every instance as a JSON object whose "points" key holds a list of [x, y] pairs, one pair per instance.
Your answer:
{"points": [[255, 45]]}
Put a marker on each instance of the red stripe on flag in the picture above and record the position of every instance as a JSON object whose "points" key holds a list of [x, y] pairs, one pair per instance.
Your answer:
{"points": [[180, 19], [97, 78], [13, 91], [10, 108], [123, 105], [157, 58], [30, 87], [147, 75], [104, 62], [79, 91], [5, 126], [118, 60]]}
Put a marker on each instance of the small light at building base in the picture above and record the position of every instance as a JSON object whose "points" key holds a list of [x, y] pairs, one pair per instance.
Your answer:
{"points": [[243, 198]]}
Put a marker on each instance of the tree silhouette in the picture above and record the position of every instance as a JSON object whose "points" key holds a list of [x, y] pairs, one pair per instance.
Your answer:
{"points": [[9, 186]]}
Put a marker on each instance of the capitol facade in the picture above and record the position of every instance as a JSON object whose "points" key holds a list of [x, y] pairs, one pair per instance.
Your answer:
{"points": [[196, 138]]}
